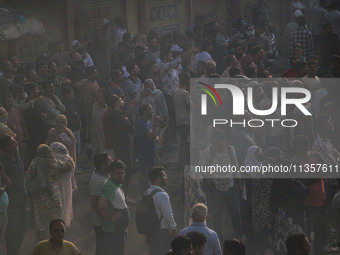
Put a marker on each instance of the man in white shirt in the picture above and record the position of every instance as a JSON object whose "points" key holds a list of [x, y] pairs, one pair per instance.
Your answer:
{"points": [[204, 55], [168, 83], [119, 32], [222, 188], [182, 109], [159, 242]]}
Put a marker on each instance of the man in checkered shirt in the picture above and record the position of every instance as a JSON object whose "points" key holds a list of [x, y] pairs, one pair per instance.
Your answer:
{"points": [[303, 36], [99, 176], [324, 146]]}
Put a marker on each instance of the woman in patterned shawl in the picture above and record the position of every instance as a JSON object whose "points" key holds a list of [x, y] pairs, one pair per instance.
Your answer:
{"points": [[47, 203]]}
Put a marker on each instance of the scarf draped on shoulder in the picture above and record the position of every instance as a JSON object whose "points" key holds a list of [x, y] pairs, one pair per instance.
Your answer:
{"points": [[46, 163]]}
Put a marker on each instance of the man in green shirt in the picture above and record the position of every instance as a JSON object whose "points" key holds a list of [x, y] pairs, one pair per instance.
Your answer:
{"points": [[114, 210]]}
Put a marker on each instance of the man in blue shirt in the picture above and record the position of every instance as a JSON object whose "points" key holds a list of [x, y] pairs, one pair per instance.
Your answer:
{"points": [[132, 86], [146, 137], [199, 215]]}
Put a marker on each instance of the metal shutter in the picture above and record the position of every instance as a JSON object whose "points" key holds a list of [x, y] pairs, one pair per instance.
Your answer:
{"points": [[90, 13], [212, 10], [165, 15]]}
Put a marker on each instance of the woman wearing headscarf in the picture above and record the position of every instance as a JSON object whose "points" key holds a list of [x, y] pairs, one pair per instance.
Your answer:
{"points": [[252, 156], [262, 216], [251, 161], [273, 153], [63, 135], [286, 203], [42, 173], [65, 180], [4, 129]]}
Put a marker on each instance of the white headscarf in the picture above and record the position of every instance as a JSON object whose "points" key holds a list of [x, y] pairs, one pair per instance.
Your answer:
{"points": [[250, 157], [60, 151]]}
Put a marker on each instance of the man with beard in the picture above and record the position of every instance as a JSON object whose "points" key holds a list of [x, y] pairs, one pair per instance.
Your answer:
{"points": [[86, 92], [146, 137], [153, 50], [182, 109], [77, 67], [132, 88], [169, 79], [99, 177], [121, 129], [35, 119], [16, 123], [132, 85], [50, 104], [90, 89], [258, 55], [153, 73], [159, 241], [113, 209]]}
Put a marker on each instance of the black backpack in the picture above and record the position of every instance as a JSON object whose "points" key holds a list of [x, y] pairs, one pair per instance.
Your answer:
{"points": [[146, 217]]}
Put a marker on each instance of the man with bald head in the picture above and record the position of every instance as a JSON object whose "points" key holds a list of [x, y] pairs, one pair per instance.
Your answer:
{"points": [[199, 213]]}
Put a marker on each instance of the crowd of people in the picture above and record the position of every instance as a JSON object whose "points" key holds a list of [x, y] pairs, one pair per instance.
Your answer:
{"points": [[125, 101]]}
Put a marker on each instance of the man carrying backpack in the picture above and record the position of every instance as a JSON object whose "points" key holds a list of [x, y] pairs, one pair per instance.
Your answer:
{"points": [[159, 241]]}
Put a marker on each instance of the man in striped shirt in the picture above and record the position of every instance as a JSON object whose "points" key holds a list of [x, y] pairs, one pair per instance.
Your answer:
{"points": [[99, 176]]}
